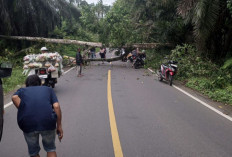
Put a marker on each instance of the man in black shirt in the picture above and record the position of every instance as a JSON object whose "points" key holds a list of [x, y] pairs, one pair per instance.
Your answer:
{"points": [[79, 62]]}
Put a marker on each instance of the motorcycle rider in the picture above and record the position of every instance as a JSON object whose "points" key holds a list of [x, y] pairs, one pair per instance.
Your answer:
{"points": [[44, 50], [142, 54]]}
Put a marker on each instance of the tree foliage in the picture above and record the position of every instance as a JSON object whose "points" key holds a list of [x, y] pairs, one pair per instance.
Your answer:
{"points": [[137, 21], [34, 18], [212, 22]]}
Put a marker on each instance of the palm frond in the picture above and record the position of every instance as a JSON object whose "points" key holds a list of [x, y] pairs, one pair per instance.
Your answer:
{"points": [[185, 6], [205, 18]]}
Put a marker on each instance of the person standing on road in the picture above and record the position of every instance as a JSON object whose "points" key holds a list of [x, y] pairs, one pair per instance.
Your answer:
{"points": [[79, 62], [39, 113], [93, 52], [102, 54]]}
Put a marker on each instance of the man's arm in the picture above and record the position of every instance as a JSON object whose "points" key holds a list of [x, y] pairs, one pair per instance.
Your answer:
{"points": [[16, 100], [57, 110]]}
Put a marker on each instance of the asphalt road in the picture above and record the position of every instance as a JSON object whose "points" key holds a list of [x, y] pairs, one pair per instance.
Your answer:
{"points": [[152, 118]]}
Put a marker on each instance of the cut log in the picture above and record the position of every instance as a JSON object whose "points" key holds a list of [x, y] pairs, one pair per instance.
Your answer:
{"points": [[57, 41]]}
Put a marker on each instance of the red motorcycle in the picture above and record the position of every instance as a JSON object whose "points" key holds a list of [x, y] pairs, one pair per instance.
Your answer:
{"points": [[167, 71]]}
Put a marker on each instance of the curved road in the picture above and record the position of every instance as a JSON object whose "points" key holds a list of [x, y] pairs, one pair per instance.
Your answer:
{"points": [[152, 119]]}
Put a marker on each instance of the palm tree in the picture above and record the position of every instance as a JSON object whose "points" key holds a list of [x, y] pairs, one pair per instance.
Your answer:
{"points": [[34, 18], [211, 22]]}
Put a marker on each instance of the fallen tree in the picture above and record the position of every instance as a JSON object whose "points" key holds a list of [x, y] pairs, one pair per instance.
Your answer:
{"points": [[147, 45], [91, 44], [85, 43], [50, 40], [104, 59]]}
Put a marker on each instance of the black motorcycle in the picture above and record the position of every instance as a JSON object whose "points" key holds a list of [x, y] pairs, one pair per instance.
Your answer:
{"points": [[46, 77], [167, 71], [139, 61], [123, 55]]}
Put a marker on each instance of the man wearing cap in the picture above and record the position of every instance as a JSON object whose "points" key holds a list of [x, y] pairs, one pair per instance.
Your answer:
{"points": [[44, 50]]}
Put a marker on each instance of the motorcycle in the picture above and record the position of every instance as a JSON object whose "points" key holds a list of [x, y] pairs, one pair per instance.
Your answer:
{"points": [[167, 71], [139, 61], [122, 54], [47, 77], [48, 66]]}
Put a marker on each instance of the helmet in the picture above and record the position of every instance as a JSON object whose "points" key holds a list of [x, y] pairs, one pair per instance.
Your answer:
{"points": [[44, 49]]}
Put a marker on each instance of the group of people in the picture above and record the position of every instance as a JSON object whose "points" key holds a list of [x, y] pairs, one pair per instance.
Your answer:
{"points": [[91, 54], [134, 53], [39, 112]]}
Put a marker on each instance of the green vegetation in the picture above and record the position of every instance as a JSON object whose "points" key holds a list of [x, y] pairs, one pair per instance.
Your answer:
{"points": [[197, 73], [15, 81], [199, 34]]}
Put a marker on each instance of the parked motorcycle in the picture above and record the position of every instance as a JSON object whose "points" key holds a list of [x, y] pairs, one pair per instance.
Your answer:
{"points": [[122, 54], [139, 61], [167, 71]]}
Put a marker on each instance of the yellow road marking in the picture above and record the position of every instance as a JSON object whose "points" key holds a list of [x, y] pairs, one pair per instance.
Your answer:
{"points": [[113, 125]]}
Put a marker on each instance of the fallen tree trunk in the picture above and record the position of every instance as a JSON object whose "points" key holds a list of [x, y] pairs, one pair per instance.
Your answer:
{"points": [[49, 40], [92, 44], [147, 45], [76, 42], [105, 59]]}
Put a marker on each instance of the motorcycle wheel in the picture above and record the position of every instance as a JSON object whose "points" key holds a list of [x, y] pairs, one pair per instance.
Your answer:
{"points": [[136, 65], [160, 78], [170, 80]]}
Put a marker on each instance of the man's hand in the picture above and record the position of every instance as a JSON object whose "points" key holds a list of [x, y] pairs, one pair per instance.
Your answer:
{"points": [[59, 131]]}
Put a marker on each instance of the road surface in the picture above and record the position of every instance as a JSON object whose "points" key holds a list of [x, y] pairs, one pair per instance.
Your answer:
{"points": [[152, 119]]}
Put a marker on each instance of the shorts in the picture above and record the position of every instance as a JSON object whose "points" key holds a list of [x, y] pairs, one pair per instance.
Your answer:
{"points": [[48, 140]]}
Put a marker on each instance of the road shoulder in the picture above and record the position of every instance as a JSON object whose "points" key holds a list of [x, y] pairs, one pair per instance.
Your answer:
{"points": [[225, 109]]}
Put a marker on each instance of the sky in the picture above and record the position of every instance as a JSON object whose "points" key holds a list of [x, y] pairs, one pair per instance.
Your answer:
{"points": [[108, 2]]}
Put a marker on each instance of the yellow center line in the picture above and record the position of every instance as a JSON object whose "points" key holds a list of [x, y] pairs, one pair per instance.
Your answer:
{"points": [[113, 125]]}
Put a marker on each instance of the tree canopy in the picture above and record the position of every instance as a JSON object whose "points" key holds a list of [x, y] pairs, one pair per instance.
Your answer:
{"points": [[203, 23], [34, 18]]}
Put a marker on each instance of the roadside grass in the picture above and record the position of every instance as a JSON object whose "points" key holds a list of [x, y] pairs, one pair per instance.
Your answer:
{"points": [[204, 86], [16, 80], [196, 72]]}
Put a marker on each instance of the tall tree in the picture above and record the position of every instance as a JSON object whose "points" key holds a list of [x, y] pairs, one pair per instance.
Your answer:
{"points": [[212, 22], [34, 18]]}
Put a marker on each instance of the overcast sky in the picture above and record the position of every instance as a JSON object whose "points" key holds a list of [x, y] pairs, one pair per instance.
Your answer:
{"points": [[108, 2]]}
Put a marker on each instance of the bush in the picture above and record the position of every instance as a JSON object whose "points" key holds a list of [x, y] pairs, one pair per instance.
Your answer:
{"points": [[199, 73], [16, 80], [191, 64], [155, 57]]}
